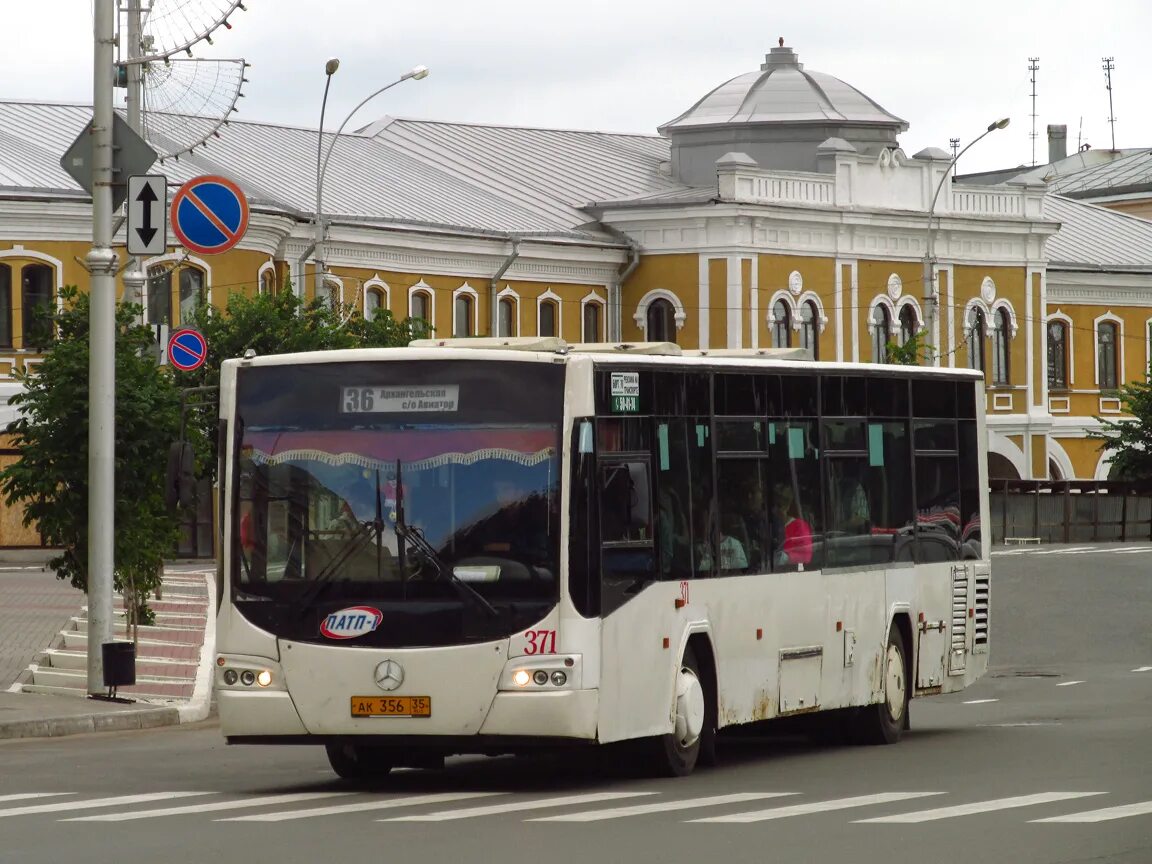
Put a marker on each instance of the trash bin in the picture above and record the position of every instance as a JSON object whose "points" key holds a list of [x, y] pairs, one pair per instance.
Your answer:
{"points": [[119, 664]]}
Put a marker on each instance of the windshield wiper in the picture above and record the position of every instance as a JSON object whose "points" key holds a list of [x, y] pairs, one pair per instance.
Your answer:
{"points": [[416, 537], [324, 577]]}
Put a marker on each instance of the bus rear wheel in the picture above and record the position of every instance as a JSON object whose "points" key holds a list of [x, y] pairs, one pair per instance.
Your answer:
{"points": [[676, 753], [884, 723], [358, 761]]}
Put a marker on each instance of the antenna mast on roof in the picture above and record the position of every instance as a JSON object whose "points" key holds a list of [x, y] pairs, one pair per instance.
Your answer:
{"points": [[1108, 67], [1033, 65]]}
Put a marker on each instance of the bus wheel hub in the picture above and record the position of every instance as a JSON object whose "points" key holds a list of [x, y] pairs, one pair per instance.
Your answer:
{"points": [[689, 708]]}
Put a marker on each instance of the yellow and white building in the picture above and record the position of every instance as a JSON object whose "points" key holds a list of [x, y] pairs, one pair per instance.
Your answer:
{"points": [[779, 209]]}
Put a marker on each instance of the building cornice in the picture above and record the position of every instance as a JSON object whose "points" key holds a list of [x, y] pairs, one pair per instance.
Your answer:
{"points": [[1099, 288]]}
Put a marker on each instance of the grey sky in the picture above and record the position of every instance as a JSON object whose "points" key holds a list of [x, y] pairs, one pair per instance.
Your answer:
{"points": [[630, 65]]}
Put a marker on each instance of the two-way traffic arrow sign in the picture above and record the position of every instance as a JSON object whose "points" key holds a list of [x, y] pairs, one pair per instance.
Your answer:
{"points": [[147, 204]]}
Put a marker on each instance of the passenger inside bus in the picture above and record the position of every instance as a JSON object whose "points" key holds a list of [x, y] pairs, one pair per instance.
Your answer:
{"points": [[733, 558], [672, 530], [795, 534]]}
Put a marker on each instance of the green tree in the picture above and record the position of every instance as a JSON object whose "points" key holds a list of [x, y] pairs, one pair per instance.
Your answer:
{"points": [[50, 479], [912, 353], [280, 324], [1129, 436]]}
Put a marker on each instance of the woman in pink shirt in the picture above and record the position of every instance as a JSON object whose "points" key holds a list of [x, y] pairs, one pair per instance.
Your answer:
{"points": [[796, 548]]}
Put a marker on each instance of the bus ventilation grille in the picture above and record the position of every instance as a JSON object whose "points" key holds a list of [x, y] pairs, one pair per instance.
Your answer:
{"points": [[980, 640], [959, 610]]}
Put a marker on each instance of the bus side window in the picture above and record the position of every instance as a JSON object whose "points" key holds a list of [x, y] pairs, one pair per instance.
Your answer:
{"points": [[628, 550]]}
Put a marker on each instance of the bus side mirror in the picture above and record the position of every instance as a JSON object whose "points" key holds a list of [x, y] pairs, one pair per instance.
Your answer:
{"points": [[180, 483]]}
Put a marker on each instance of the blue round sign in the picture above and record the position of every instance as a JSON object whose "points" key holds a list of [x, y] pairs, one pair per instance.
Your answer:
{"points": [[187, 349], [209, 215]]}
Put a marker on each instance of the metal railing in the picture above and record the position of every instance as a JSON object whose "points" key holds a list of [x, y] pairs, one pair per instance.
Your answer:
{"points": [[1070, 511]]}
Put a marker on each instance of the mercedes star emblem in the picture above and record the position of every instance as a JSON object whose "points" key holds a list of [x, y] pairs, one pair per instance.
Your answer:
{"points": [[389, 675]]}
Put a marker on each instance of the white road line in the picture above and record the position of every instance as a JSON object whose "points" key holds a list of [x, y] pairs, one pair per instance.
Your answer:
{"points": [[980, 701], [23, 796], [236, 804], [1068, 683], [1143, 669], [534, 804], [642, 809], [1141, 809], [360, 807], [816, 807], [980, 807], [1138, 551], [96, 802]]}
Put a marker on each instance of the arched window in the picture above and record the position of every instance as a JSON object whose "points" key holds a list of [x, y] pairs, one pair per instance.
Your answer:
{"points": [[191, 292], [506, 318], [268, 281], [462, 319], [5, 306], [660, 321], [810, 328], [422, 306], [1001, 336], [781, 325], [330, 293], [1057, 355], [591, 322], [977, 328], [548, 318], [36, 293], [159, 289], [373, 301], [1106, 332], [908, 323], [881, 333]]}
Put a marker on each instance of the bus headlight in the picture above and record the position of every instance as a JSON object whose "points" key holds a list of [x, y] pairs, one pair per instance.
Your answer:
{"points": [[264, 678], [542, 673], [231, 676], [236, 672], [247, 677]]}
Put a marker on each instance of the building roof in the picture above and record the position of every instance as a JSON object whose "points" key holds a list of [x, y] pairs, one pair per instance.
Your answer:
{"points": [[1126, 174], [485, 179], [782, 92], [1096, 238]]}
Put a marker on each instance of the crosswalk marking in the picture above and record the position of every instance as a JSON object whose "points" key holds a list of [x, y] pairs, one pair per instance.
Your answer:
{"points": [[1068, 683], [981, 807], [263, 801], [660, 807], [534, 804], [817, 807], [24, 796], [96, 802], [1140, 809], [359, 807]]}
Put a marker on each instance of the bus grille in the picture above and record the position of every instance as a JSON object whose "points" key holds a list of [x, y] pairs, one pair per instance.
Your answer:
{"points": [[983, 590], [959, 609]]}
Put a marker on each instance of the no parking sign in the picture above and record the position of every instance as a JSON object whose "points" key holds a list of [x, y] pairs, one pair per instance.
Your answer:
{"points": [[187, 349], [209, 215]]}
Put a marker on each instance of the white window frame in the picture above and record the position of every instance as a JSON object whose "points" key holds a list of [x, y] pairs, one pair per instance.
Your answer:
{"points": [[467, 290], [424, 287], [379, 285], [640, 316], [893, 321], [550, 295], [592, 298], [268, 266], [175, 262], [509, 293], [1111, 317], [1069, 348]]}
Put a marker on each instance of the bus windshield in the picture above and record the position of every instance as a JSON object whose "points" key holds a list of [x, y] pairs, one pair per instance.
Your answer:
{"points": [[422, 489]]}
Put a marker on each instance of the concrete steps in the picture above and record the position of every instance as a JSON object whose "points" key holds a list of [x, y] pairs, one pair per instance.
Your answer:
{"points": [[167, 653]]}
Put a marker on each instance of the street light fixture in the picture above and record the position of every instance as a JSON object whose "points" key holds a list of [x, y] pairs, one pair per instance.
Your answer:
{"points": [[416, 73], [930, 299]]}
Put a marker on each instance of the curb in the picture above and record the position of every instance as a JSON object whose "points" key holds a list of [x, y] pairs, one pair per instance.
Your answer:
{"points": [[120, 721]]}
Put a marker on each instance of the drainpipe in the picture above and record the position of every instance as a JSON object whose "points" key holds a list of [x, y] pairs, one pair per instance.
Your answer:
{"points": [[298, 282], [494, 288], [614, 302]]}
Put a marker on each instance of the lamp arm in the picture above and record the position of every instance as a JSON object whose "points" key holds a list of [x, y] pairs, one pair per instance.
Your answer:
{"points": [[944, 176], [321, 170]]}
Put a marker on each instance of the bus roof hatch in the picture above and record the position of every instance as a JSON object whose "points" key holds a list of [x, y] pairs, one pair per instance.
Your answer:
{"points": [[766, 353], [508, 343], [669, 348]]}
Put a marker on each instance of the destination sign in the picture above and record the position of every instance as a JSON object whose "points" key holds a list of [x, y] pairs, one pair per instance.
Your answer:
{"points": [[400, 400]]}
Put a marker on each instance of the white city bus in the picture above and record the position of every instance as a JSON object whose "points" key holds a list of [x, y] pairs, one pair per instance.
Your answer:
{"points": [[489, 546]]}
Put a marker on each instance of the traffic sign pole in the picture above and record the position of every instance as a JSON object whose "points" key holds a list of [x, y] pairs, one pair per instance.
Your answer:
{"points": [[102, 264]]}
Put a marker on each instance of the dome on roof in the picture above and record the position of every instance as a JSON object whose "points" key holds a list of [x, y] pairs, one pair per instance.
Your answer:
{"points": [[778, 103], [782, 92]]}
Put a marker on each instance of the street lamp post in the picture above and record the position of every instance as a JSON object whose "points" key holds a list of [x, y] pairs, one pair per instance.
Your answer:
{"points": [[322, 156], [931, 301]]}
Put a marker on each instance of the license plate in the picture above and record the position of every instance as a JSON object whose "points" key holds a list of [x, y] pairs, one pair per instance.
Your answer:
{"points": [[391, 706]]}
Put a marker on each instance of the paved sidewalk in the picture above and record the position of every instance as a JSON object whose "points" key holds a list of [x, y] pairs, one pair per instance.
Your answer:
{"points": [[43, 659]]}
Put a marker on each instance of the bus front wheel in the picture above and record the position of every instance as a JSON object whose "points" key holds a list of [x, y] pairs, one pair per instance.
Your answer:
{"points": [[358, 761], [675, 754], [884, 722]]}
